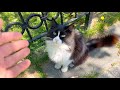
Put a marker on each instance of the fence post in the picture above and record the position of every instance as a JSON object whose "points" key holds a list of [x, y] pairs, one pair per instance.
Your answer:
{"points": [[87, 20]]}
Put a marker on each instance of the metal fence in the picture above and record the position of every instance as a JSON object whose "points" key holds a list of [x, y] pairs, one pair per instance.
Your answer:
{"points": [[24, 24]]}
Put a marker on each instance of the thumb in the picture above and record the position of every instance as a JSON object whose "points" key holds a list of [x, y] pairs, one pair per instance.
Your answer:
{"points": [[1, 24]]}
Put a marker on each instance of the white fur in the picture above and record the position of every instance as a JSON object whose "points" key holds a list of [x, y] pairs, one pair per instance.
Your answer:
{"points": [[59, 53], [57, 39]]}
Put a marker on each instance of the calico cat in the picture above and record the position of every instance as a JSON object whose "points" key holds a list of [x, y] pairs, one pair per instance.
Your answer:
{"points": [[66, 45]]}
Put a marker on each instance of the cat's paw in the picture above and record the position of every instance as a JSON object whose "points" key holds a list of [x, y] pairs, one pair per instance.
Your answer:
{"points": [[64, 69], [71, 65], [57, 66]]}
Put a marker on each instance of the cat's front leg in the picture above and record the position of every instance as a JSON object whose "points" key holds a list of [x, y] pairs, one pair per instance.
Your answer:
{"points": [[71, 65], [58, 66], [66, 65], [64, 69]]}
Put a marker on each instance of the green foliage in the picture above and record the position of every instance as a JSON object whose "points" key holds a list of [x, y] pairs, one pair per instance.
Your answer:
{"points": [[111, 17], [99, 27]]}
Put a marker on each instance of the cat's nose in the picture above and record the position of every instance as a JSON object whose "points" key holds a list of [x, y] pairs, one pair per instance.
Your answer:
{"points": [[57, 41]]}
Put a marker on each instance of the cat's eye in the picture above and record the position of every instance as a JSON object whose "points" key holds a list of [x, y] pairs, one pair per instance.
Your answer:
{"points": [[54, 33], [62, 35]]}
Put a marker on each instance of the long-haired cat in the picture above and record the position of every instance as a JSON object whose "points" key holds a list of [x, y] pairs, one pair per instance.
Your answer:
{"points": [[66, 46]]}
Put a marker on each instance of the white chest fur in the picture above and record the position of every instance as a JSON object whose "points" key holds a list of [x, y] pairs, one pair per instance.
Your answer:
{"points": [[58, 53]]}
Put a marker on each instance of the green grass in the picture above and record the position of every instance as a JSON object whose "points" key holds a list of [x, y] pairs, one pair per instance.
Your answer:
{"points": [[92, 74], [110, 18], [38, 55]]}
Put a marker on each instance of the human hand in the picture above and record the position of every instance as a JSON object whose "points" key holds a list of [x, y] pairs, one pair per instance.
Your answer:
{"points": [[12, 50]]}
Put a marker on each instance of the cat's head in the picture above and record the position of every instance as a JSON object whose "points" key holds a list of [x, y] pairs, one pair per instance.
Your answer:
{"points": [[59, 33]]}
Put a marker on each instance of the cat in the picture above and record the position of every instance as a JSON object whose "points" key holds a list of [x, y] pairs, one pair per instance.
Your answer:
{"points": [[66, 46]]}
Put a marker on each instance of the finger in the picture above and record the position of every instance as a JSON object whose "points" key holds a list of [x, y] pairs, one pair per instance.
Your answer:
{"points": [[6, 37], [16, 70], [2, 62], [13, 59], [9, 48], [1, 23]]}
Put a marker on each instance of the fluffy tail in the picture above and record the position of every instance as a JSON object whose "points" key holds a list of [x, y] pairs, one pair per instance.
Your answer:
{"points": [[107, 41]]}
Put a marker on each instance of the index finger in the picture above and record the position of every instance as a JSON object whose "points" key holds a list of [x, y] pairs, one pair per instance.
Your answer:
{"points": [[17, 69], [6, 37]]}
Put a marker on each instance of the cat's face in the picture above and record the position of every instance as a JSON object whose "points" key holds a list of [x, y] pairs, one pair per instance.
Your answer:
{"points": [[58, 33]]}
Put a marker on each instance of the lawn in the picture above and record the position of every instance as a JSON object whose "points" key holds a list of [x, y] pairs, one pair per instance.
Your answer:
{"points": [[38, 55]]}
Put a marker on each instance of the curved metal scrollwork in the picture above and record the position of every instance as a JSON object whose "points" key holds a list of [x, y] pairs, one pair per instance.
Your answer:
{"points": [[25, 24], [30, 17]]}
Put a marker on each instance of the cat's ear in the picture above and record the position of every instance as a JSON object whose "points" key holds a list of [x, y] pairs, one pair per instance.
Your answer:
{"points": [[71, 27], [53, 23]]}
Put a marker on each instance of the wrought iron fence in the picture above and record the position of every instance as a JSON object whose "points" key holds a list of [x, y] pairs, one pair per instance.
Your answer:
{"points": [[24, 24]]}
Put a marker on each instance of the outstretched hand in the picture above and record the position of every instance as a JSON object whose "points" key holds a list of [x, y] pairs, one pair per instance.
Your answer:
{"points": [[12, 50]]}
